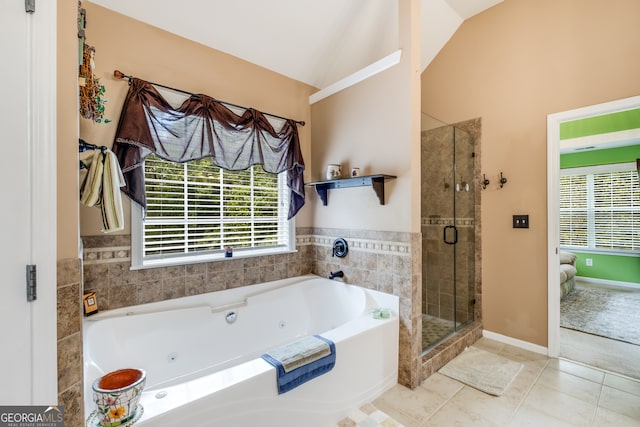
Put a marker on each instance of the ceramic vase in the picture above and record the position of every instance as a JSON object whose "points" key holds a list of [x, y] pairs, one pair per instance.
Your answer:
{"points": [[334, 171], [117, 394]]}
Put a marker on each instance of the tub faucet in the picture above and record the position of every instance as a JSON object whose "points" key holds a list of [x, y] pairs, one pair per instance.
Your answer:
{"points": [[334, 274]]}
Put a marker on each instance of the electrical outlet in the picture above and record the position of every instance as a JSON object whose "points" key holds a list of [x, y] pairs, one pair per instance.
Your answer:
{"points": [[521, 221], [589, 262]]}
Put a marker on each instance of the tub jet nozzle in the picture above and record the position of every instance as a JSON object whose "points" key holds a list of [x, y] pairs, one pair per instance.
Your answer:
{"points": [[231, 317]]}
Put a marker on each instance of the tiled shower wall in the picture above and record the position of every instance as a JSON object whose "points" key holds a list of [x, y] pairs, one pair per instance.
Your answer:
{"points": [[438, 259], [385, 261]]}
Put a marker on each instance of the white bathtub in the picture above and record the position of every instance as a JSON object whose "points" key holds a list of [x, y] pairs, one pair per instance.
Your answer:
{"points": [[210, 371]]}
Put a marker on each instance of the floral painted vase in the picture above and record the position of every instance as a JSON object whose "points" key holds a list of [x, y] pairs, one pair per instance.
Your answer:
{"points": [[117, 394]]}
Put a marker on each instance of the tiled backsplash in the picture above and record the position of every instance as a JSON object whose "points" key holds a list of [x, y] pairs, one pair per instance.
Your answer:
{"points": [[107, 255], [371, 262], [107, 272]]}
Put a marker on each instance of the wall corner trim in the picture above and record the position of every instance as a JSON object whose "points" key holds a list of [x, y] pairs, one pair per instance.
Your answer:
{"points": [[363, 74], [525, 345]]}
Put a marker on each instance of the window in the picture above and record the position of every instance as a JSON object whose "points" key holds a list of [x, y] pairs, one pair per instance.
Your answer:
{"points": [[195, 210], [600, 208]]}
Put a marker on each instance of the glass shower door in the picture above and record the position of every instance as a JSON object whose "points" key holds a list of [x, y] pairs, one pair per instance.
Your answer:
{"points": [[464, 264], [447, 232], [438, 235]]}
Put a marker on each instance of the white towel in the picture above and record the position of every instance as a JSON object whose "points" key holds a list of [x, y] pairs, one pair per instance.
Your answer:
{"points": [[302, 352], [91, 188], [101, 188]]}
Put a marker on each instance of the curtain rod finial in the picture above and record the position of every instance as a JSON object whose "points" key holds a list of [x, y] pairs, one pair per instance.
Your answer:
{"points": [[118, 74]]}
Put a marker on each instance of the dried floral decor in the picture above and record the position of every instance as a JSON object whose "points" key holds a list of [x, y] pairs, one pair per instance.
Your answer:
{"points": [[92, 100]]}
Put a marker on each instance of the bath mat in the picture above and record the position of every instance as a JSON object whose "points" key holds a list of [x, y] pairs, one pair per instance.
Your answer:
{"points": [[482, 370]]}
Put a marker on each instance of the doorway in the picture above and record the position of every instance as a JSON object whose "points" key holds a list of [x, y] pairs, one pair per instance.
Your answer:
{"points": [[594, 128]]}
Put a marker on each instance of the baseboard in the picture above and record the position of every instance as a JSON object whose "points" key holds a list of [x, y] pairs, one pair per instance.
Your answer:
{"points": [[515, 342], [609, 283]]}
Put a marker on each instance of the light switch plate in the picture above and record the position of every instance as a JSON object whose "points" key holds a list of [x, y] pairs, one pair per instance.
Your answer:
{"points": [[521, 221]]}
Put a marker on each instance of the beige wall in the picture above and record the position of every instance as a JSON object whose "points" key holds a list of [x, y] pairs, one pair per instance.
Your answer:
{"points": [[152, 54], [67, 130], [512, 65], [373, 125]]}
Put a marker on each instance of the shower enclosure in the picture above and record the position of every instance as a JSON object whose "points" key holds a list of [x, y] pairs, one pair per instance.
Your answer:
{"points": [[448, 232]]}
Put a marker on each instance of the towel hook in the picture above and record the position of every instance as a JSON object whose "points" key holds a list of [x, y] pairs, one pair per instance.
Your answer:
{"points": [[484, 182], [503, 180]]}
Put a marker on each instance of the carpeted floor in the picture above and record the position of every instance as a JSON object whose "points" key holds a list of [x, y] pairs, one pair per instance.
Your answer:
{"points": [[611, 314]]}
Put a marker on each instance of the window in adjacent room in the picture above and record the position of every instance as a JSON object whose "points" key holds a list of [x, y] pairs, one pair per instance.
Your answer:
{"points": [[600, 208], [195, 210]]}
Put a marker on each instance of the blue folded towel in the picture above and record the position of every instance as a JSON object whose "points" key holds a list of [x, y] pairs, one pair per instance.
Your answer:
{"points": [[301, 361]]}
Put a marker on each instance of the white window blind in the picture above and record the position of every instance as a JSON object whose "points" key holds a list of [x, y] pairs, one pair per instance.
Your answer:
{"points": [[600, 208], [196, 208]]}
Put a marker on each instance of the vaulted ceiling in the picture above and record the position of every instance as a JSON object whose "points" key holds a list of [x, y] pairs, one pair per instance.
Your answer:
{"points": [[317, 42]]}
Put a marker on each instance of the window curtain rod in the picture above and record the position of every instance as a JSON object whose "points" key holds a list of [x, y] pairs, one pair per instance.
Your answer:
{"points": [[120, 75]]}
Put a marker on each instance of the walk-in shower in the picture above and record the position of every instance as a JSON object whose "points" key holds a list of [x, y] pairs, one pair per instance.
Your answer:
{"points": [[448, 231]]}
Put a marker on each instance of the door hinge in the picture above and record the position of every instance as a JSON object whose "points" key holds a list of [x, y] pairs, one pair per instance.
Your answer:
{"points": [[31, 283], [29, 6]]}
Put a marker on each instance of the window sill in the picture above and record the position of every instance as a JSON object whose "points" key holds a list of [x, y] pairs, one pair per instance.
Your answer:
{"points": [[199, 259]]}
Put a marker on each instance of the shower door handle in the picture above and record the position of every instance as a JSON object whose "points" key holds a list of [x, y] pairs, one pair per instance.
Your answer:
{"points": [[455, 235]]}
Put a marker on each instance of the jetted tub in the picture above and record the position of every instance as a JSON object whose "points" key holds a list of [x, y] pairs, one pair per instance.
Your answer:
{"points": [[202, 353]]}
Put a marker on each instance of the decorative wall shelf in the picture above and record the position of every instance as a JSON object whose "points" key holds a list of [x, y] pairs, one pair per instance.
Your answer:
{"points": [[375, 181]]}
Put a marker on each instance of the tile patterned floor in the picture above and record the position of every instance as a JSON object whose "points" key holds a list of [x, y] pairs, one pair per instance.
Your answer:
{"points": [[368, 416], [547, 392], [609, 355], [434, 329]]}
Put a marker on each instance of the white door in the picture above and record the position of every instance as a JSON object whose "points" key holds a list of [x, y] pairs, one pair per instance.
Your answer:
{"points": [[26, 368]]}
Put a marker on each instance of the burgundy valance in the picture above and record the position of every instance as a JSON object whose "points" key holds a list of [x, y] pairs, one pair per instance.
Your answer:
{"points": [[202, 127]]}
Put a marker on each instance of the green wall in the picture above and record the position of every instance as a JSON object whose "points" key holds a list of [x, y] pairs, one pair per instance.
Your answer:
{"points": [[609, 267], [598, 125], [600, 157], [606, 267]]}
